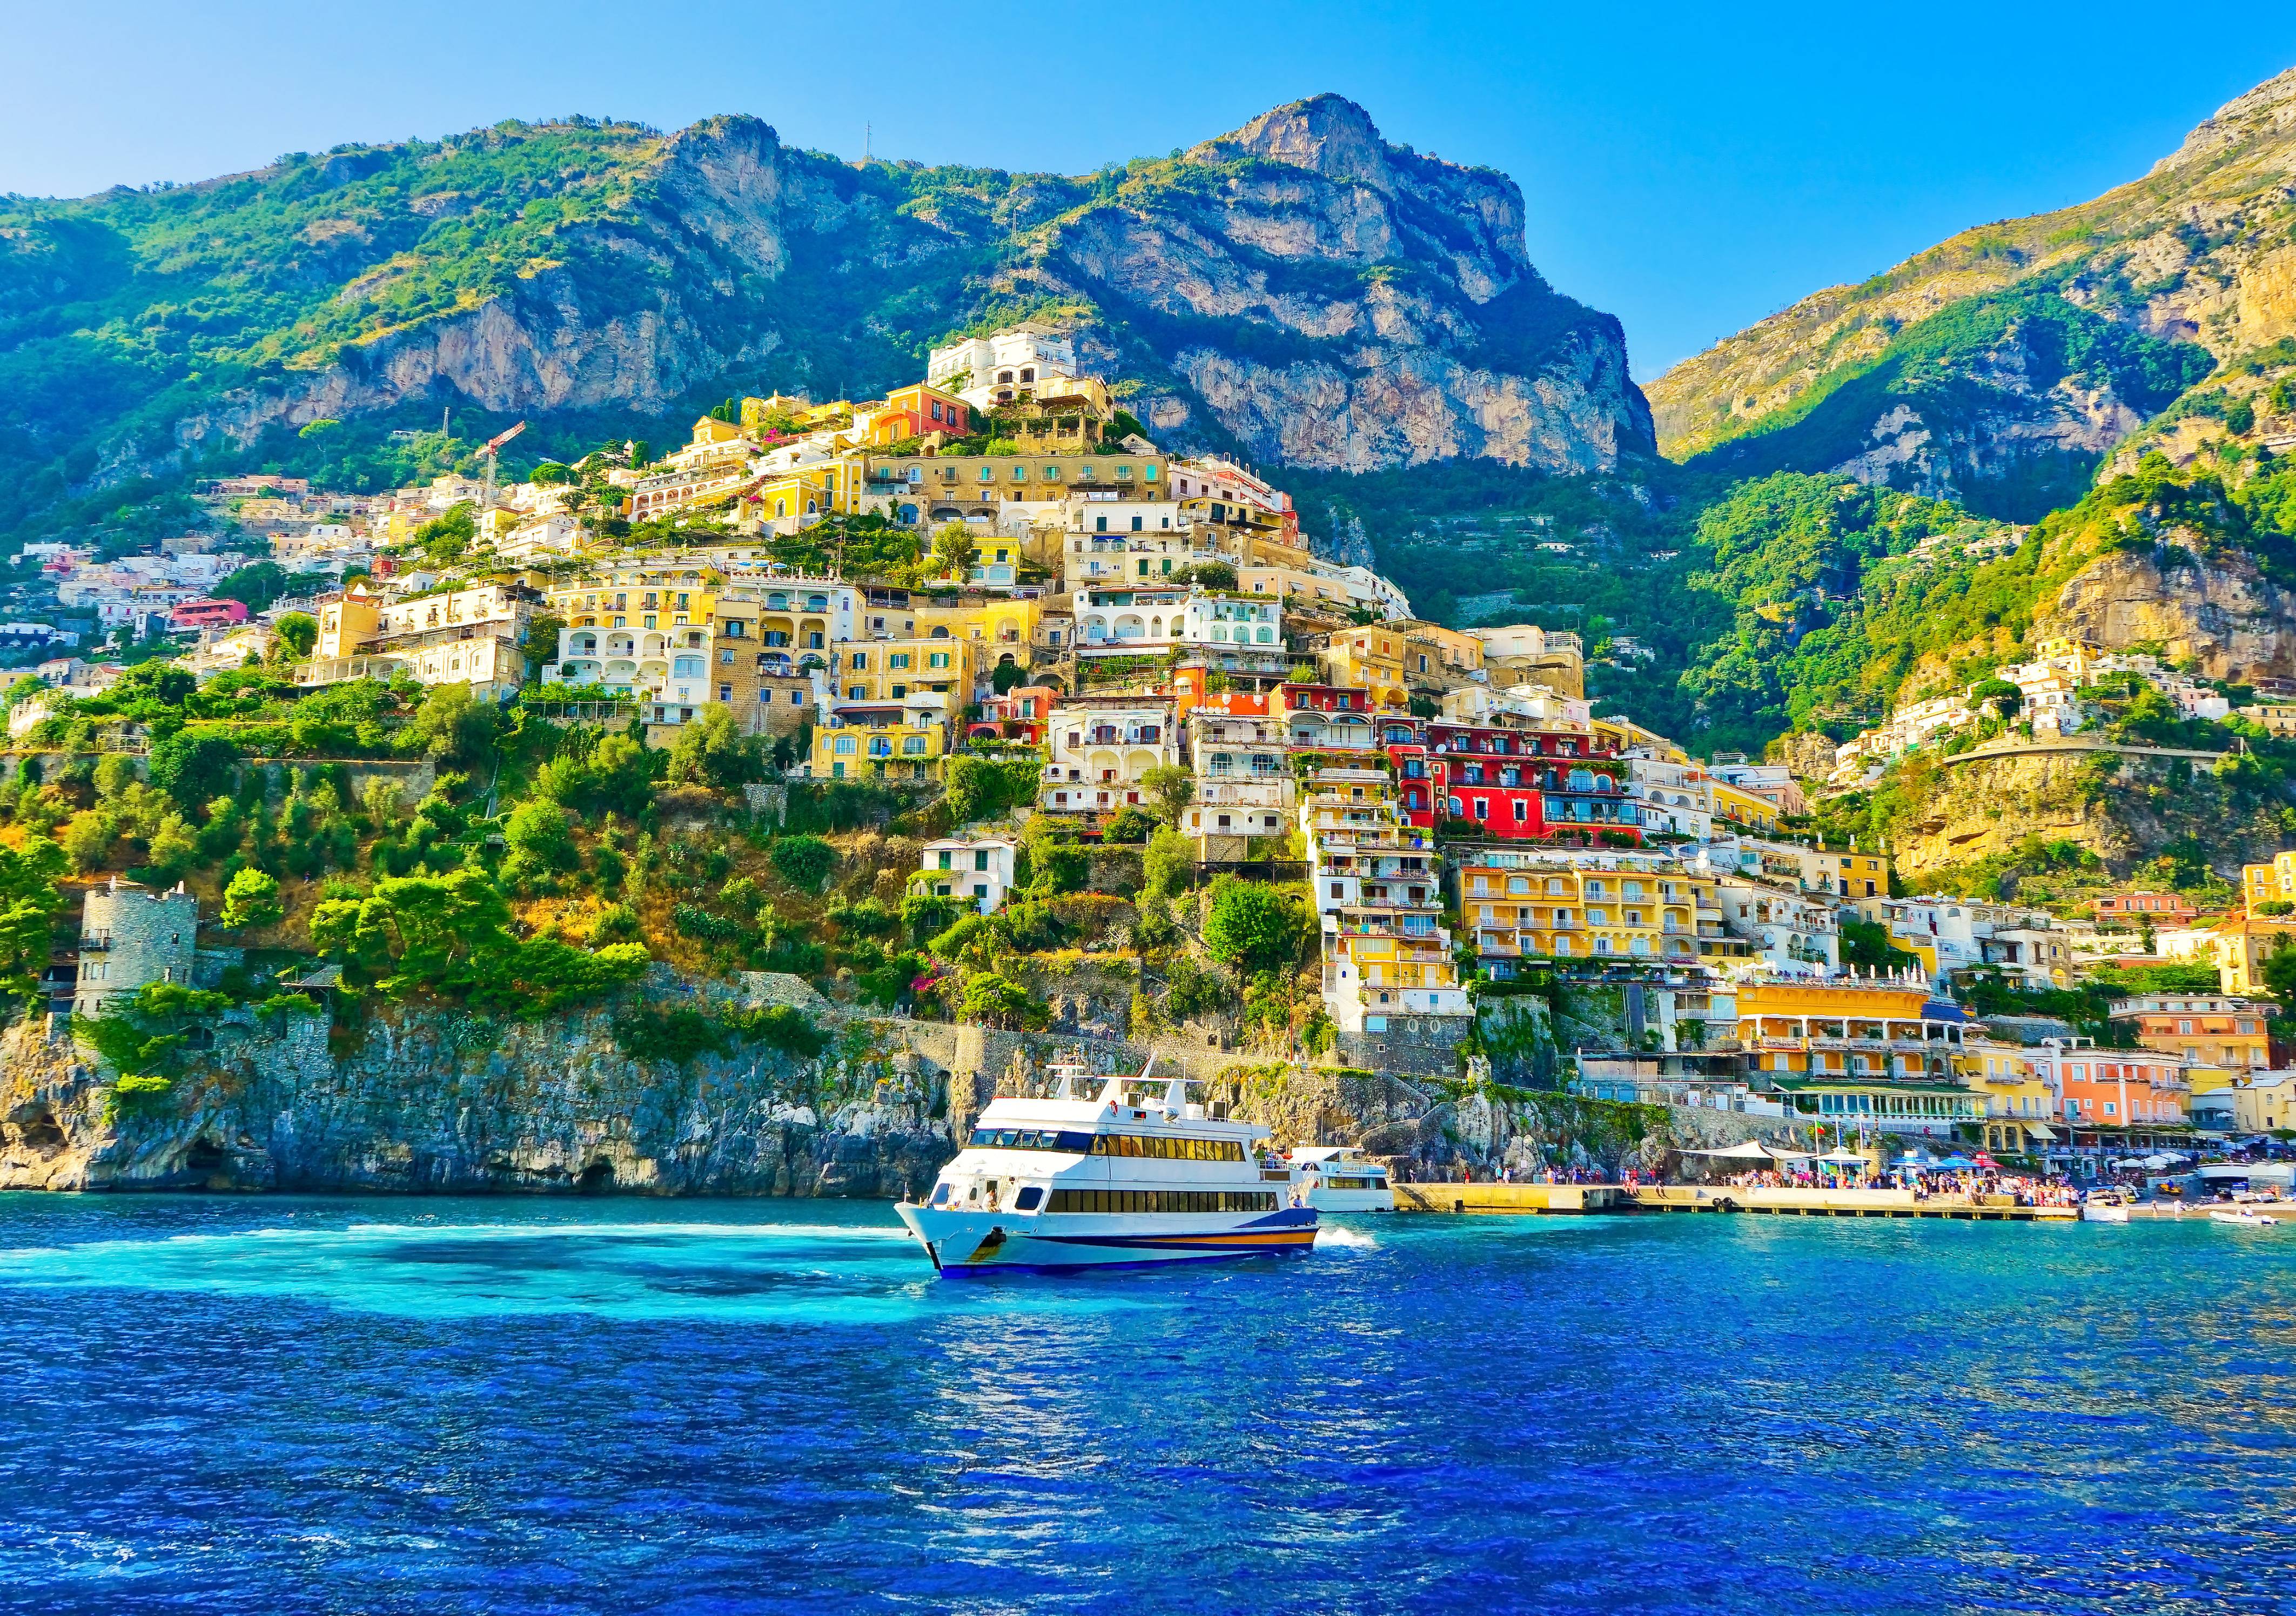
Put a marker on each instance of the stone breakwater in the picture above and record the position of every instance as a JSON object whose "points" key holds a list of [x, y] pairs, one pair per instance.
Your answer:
{"points": [[439, 1102]]}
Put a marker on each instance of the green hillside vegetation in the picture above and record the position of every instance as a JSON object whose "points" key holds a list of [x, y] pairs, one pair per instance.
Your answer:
{"points": [[1943, 369]]}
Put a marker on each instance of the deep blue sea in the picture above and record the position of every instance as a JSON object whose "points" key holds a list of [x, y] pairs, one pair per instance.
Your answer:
{"points": [[338, 1404]]}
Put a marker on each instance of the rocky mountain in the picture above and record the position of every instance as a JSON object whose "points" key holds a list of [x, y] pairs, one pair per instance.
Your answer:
{"points": [[2001, 366], [1297, 290]]}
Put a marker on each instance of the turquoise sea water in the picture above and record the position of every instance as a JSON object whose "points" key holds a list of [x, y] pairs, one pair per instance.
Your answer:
{"points": [[488, 1405]]}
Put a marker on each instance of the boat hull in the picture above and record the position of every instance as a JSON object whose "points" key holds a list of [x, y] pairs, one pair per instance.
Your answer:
{"points": [[2104, 1214], [1327, 1200], [983, 1243]]}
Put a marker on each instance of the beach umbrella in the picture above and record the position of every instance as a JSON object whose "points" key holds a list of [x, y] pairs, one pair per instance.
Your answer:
{"points": [[1844, 1159], [1955, 1163]]}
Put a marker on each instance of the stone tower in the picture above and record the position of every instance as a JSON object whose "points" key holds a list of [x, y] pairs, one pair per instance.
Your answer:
{"points": [[130, 935]]}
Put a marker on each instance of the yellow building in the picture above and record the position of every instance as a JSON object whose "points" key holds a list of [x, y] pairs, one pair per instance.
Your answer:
{"points": [[2017, 1096], [953, 485], [885, 671], [2241, 947], [1809, 1027], [887, 744], [804, 496], [1742, 807], [347, 622], [1435, 656], [2262, 1102], [2273, 882], [1531, 905], [1001, 628], [1368, 658]]}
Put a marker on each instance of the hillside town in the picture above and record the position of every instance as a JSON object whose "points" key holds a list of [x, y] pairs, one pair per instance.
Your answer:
{"points": [[1156, 637]]}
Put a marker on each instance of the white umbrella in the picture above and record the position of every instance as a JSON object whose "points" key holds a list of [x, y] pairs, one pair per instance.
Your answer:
{"points": [[1844, 1158]]}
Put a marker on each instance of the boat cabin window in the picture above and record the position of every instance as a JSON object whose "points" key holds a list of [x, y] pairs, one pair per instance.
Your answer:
{"points": [[1029, 1199], [1163, 1200], [939, 1195], [1173, 1149], [1031, 1139]]}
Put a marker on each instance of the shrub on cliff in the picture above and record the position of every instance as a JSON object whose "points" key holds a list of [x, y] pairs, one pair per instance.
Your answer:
{"points": [[28, 902], [992, 1001], [450, 935], [804, 861], [649, 1032]]}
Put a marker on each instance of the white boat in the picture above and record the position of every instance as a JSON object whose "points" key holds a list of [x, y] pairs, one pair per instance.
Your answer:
{"points": [[2105, 1206], [1118, 1180], [2240, 1216], [1340, 1178]]}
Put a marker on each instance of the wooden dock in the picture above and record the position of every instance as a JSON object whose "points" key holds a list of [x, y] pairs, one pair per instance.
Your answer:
{"points": [[1568, 1198], [1578, 1199]]}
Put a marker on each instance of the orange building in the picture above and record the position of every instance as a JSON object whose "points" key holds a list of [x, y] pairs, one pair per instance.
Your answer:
{"points": [[914, 411], [2208, 1029], [2110, 1088]]}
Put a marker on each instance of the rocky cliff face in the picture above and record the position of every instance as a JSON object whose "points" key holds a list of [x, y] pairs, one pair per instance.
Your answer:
{"points": [[2124, 808], [1319, 298], [1299, 291], [438, 1102], [2200, 251]]}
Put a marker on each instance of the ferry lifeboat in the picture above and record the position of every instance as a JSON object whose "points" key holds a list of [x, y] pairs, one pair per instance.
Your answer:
{"points": [[1128, 1177], [1340, 1178]]}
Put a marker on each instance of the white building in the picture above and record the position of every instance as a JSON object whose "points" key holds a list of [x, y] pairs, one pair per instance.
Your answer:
{"points": [[1150, 620], [995, 369], [1098, 750], [959, 866]]}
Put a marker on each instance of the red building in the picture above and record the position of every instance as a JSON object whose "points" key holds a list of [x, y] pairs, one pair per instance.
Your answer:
{"points": [[1530, 785], [1017, 715], [1414, 786], [207, 614]]}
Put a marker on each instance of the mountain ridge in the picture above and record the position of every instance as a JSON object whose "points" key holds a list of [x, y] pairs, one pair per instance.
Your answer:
{"points": [[1297, 270]]}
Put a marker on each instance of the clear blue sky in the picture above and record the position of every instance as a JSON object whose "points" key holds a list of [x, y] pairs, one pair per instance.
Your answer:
{"points": [[1689, 168]]}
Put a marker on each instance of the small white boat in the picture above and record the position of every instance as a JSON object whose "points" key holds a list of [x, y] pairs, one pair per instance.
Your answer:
{"points": [[2241, 1217], [2105, 1206], [1340, 1178], [1117, 1180]]}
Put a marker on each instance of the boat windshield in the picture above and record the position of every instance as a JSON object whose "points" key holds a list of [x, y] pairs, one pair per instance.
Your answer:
{"points": [[1031, 1139]]}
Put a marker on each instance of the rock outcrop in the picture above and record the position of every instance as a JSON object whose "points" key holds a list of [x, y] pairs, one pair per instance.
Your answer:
{"points": [[2196, 252], [1316, 297]]}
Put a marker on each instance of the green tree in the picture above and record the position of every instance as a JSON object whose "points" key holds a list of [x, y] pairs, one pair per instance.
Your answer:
{"points": [[193, 769], [29, 898], [713, 751], [953, 550], [1251, 926], [1168, 863], [994, 1001], [252, 900], [298, 631], [1129, 825], [451, 725], [1173, 786]]}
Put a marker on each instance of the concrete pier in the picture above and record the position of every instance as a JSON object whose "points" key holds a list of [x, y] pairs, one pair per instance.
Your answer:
{"points": [[1572, 1199]]}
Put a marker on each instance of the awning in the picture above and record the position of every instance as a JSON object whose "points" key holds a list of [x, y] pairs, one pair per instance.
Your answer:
{"points": [[1843, 1158], [2040, 1132], [1752, 1150]]}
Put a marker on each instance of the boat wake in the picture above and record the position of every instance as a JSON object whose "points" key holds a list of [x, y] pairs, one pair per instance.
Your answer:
{"points": [[1333, 1237]]}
